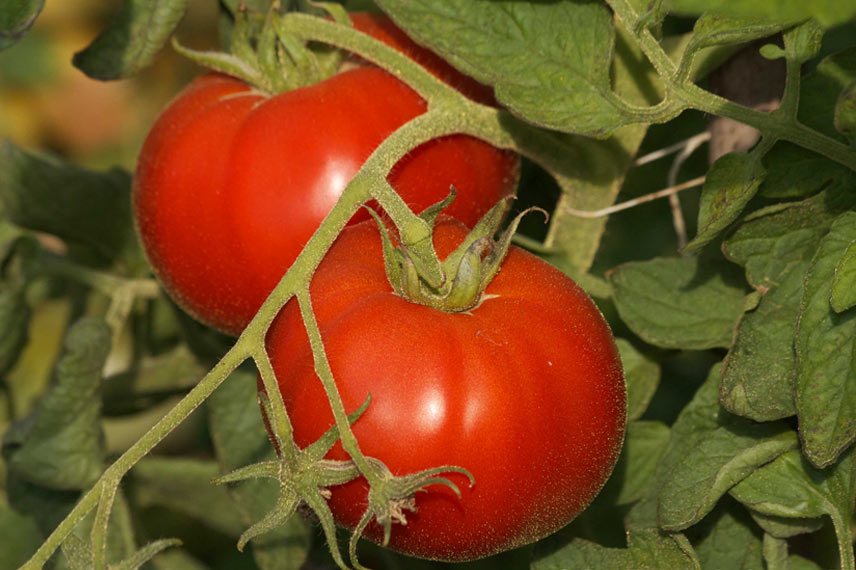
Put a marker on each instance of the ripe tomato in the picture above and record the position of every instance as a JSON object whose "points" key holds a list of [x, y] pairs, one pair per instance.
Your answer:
{"points": [[525, 391], [230, 183]]}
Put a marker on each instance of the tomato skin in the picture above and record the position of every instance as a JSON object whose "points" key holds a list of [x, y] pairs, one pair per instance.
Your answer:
{"points": [[525, 391], [230, 184]]}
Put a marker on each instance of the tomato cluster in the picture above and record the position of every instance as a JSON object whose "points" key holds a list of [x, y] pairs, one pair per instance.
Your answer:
{"points": [[231, 183], [525, 390]]}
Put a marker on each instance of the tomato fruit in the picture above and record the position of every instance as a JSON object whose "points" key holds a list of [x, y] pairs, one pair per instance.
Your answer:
{"points": [[230, 183], [525, 391]]}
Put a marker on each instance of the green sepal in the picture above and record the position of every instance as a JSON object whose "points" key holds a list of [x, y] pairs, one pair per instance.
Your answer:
{"points": [[318, 449], [335, 10], [304, 480], [388, 501], [430, 213], [392, 257], [467, 284], [493, 260], [241, 44], [274, 70], [145, 554], [486, 227], [466, 272], [225, 63], [285, 506], [270, 469]]}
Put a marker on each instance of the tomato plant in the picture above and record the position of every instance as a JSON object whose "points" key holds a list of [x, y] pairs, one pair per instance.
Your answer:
{"points": [[536, 417], [733, 305], [231, 183]]}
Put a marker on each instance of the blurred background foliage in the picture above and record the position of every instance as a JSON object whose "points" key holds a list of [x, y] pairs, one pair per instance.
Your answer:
{"points": [[47, 103]]}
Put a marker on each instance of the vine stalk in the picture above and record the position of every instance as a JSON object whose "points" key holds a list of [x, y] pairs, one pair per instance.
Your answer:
{"points": [[777, 126]]}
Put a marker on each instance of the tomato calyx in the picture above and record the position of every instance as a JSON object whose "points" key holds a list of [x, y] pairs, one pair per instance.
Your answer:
{"points": [[268, 57], [304, 476], [390, 496], [466, 272]]}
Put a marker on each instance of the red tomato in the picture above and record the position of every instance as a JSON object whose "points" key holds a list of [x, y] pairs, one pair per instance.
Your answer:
{"points": [[230, 183], [525, 391]]}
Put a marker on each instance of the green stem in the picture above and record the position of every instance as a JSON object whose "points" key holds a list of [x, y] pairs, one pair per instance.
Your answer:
{"points": [[845, 540], [106, 283], [279, 420], [417, 77], [776, 125], [782, 126], [102, 518], [325, 373], [142, 447]]}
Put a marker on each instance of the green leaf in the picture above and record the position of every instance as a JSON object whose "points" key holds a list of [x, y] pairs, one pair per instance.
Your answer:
{"points": [[775, 246], [713, 29], [176, 559], [844, 117], [15, 312], [826, 354], [827, 12], [86, 208], [186, 486], [16, 17], [20, 535], [151, 381], [821, 89], [785, 527], [679, 302], [803, 42], [696, 421], [549, 62], [590, 172], [728, 539], [797, 562], [644, 444], [651, 13], [791, 487], [61, 445], [760, 368], [646, 549], [794, 172], [131, 41], [723, 458], [843, 294], [716, 37], [237, 429], [48, 507], [773, 239], [642, 376], [730, 183], [240, 439]]}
